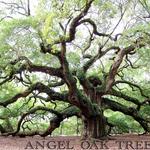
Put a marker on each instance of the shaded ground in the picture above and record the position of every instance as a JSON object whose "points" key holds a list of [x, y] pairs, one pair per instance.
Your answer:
{"points": [[114, 143]]}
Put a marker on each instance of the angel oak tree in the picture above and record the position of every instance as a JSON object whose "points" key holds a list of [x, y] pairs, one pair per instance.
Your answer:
{"points": [[89, 48]]}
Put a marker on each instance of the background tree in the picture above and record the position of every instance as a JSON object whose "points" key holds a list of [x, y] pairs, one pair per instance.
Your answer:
{"points": [[67, 58]]}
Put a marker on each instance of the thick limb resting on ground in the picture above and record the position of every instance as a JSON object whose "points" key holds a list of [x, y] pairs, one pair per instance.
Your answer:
{"points": [[54, 122], [115, 106]]}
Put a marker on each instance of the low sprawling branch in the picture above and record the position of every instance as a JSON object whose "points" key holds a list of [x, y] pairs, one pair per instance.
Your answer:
{"points": [[32, 111], [42, 89], [115, 106], [54, 122]]}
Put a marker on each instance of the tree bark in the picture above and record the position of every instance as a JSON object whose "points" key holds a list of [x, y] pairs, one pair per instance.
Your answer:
{"points": [[94, 127]]}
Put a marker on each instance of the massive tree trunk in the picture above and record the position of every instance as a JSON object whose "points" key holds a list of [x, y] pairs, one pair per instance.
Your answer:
{"points": [[94, 127]]}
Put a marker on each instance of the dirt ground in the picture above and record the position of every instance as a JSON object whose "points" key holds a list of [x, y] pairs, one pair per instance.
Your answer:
{"points": [[117, 142]]}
